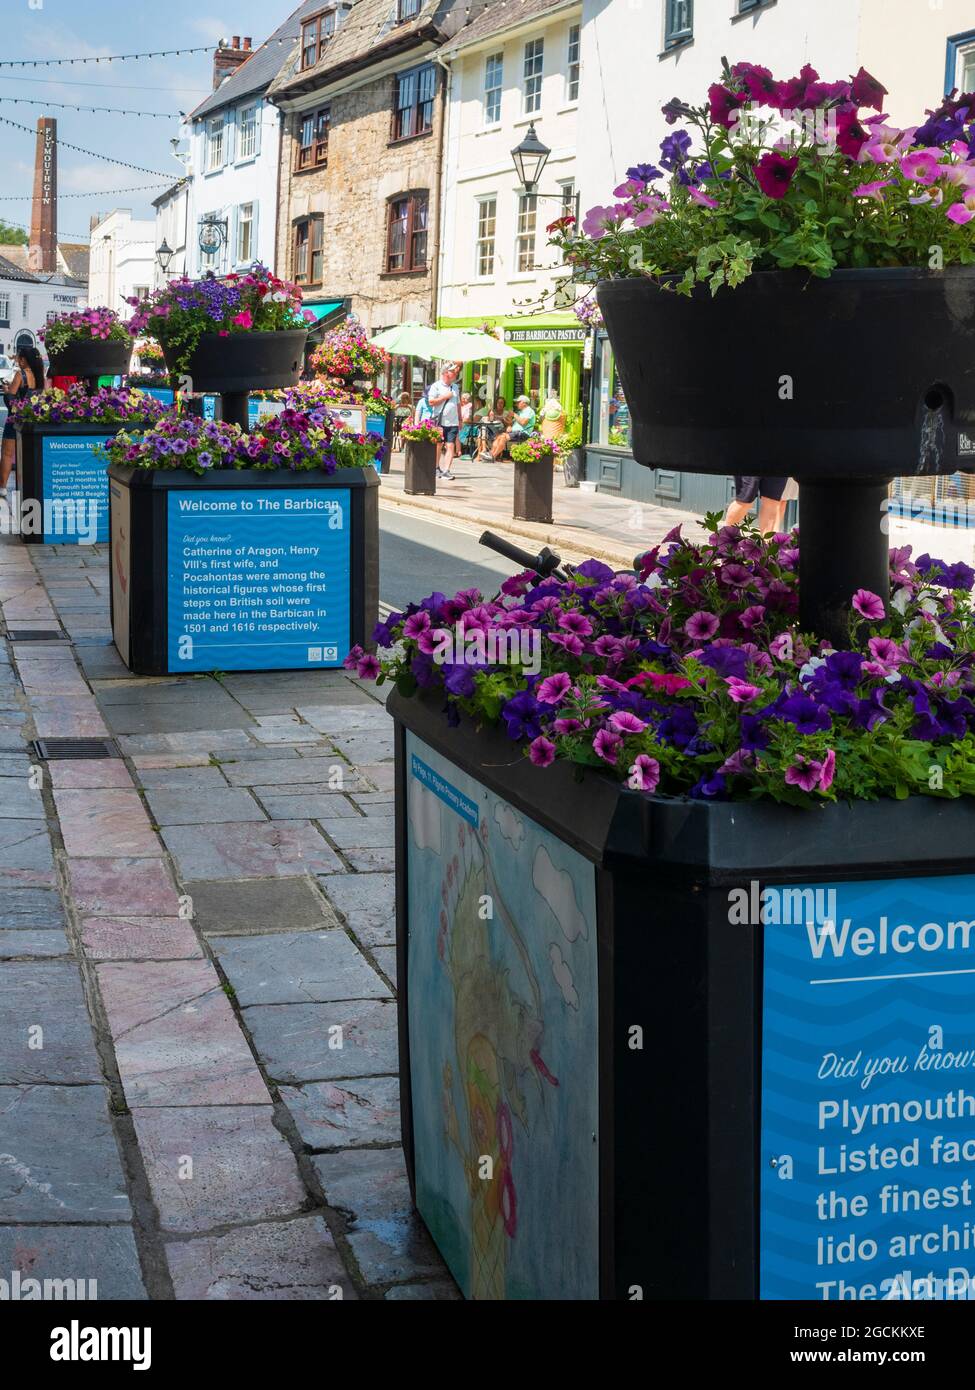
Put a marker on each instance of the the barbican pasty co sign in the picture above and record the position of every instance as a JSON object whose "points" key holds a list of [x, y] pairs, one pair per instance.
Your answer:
{"points": [[543, 335]]}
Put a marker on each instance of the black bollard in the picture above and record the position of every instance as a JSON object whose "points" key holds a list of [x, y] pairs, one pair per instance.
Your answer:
{"points": [[843, 547]]}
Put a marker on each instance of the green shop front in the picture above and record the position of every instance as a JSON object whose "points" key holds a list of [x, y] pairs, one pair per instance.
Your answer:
{"points": [[551, 360]]}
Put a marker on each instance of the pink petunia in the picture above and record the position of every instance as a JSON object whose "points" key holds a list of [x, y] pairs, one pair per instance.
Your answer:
{"points": [[567, 726], [828, 772], [416, 623], [700, 626], [368, 668], [741, 691], [922, 166], [705, 201], [625, 722], [959, 213], [805, 773], [576, 622], [752, 616], [607, 745], [644, 774], [869, 605], [541, 751], [553, 689], [872, 190]]}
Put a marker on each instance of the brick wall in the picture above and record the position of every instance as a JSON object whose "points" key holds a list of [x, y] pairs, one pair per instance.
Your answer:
{"points": [[364, 171]]}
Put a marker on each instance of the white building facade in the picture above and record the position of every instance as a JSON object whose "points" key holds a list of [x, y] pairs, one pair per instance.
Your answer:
{"points": [[512, 69], [27, 303], [171, 230], [636, 56], [123, 260]]}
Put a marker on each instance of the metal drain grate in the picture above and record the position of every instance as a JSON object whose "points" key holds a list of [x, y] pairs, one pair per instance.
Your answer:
{"points": [[34, 634], [75, 748]]}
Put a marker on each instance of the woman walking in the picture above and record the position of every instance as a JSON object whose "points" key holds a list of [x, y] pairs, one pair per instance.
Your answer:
{"points": [[27, 381]]}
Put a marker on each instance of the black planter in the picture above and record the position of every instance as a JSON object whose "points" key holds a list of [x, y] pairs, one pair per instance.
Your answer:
{"points": [[421, 468], [643, 1076], [533, 490], [63, 482], [773, 376], [243, 362], [92, 359], [243, 570]]}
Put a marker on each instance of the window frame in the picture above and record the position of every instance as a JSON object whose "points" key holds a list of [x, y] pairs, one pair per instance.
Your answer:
{"points": [[676, 35], [242, 222], [522, 233], [313, 245], [498, 90], [5, 309], [480, 240], [242, 154], [416, 75], [528, 97], [404, 15], [573, 66], [314, 155], [208, 135], [319, 40], [413, 198]]}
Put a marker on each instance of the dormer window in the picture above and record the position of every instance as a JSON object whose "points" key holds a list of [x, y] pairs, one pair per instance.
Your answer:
{"points": [[407, 9], [315, 34]]}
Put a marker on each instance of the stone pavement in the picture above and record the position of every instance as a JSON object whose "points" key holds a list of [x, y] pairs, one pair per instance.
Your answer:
{"points": [[198, 1094], [584, 525]]}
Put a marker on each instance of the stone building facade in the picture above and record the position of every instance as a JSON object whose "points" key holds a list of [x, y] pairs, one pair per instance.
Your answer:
{"points": [[361, 155]]}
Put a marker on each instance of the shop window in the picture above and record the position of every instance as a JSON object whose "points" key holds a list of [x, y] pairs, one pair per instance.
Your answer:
{"points": [[612, 414], [413, 99], [313, 139], [309, 250], [534, 62], [487, 220], [406, 236]]}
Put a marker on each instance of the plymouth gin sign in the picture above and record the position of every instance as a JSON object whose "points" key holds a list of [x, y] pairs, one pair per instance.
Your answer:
{"points": [[868, 1093]]}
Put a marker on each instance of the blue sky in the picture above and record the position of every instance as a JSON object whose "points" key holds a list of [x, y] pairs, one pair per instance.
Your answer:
{"points": [[39, 29]]}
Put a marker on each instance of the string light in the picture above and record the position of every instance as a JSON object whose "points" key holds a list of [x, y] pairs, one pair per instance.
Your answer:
{"points": [[103, 193], [112, 58], [109, 110], [92, 154]]}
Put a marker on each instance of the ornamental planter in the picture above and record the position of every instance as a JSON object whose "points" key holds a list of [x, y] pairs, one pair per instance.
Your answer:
{"points": [[242, 570], [589, 997], [800, 403], [240, 363], [533, 490], [92, 358], [63, 483], [421, 468]]}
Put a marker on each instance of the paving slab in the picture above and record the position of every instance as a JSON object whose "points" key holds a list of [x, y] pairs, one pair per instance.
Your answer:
{"points": [[118, 886], [183, 716], [45, 1032], [240, 1167], [368, 904], [294, 1043], [361, 831], [366, 748], [30, 907], [61, 716], [139, 938], [368, 859], [93, 821], [105, 1257], [25, 845], [97, 773], [435, 1291], [286, 1260], [364, 715], [177, 1040], [42, 1177], [258, 905], [385, 957], [264, 850], [44, 941], [19, 800], [350, 1114], [283, 728], [303, 805], [281, 772], [389, 1240], [297, 968], [191, 805], [195, 779], [197, 741]]}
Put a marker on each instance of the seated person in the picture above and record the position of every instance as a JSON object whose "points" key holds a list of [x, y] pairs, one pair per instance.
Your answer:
{"points": [[521, 426]]}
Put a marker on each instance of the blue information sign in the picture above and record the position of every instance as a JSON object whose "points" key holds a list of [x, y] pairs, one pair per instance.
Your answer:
{"points": [[256, 407], [74, 489], [166, 394], [258, 581], [868, 1091]]}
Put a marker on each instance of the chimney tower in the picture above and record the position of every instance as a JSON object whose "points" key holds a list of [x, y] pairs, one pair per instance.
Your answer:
{"points": [[42, 251], [228, 57]]}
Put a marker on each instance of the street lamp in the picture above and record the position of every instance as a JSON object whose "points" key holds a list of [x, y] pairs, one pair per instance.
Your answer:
{"points": [[530, 158], [164, 254]]}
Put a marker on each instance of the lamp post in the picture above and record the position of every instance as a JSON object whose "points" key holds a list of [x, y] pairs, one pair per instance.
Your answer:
{"points": [[164, 254], [530, 158]]}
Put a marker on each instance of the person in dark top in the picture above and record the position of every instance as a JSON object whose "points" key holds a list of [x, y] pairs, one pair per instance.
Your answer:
{"points": [[27, 381]]}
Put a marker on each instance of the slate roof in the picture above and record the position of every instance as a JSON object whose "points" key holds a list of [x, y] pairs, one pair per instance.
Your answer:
{"points": [[75, 255], [258, 71], [371, 34], [9, 270], [494, 18], [15, 256]]}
